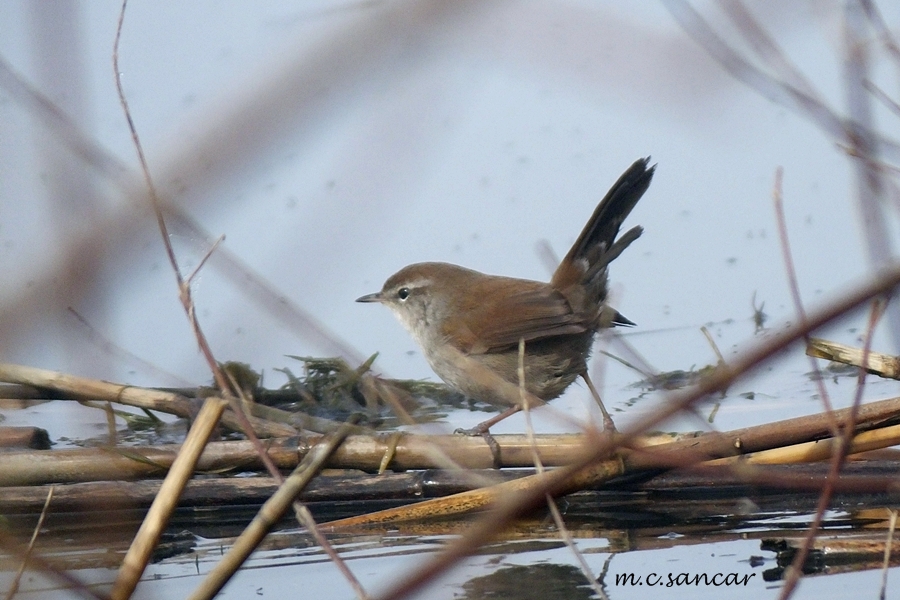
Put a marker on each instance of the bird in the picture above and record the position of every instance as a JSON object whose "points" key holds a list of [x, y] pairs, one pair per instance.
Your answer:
{"points": [[471, 326]]}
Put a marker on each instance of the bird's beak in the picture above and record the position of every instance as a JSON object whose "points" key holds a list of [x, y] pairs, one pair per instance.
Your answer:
{"points": [[376, 297]]}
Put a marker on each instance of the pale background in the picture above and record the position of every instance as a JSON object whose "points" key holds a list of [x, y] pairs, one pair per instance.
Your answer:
{"points": [[333, 143]]}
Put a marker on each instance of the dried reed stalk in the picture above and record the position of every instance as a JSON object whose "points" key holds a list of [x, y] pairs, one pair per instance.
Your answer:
{"points": [[155, 521], [358, 452], [727, 445], [820, 450], [884, 365], [94, 389]]}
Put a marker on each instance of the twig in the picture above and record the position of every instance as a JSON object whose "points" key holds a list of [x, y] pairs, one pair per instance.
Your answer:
{"points": [[866, 144], [14, 587], [209, 252], [765, 47], [844, 441], [876, 19], [73, 583], [184, 287], [305, 517], [712, 344], [185, 296], [888, 102], [788, 257], [767, 86]]}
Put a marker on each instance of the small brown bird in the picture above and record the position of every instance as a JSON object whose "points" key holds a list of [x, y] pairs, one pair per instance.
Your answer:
{"points": [[469, 325]]}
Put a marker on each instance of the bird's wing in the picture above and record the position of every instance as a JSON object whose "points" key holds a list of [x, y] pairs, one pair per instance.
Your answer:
{"points": [[499, 313]]}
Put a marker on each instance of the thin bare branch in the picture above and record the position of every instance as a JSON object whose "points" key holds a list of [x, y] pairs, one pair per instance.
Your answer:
{"points": [[844, 441], [766, 47], [886, 100], [73, 584], [777, 91], [14, 587], [184, 288], [219, 240], [788, 258], [876, 19]]}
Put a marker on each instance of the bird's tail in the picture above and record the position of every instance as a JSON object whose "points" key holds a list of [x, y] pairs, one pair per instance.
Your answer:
{"points": [[597, 246]]}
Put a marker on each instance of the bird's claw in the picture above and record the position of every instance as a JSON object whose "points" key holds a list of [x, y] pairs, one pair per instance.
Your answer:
{"points": [[488, 439]]}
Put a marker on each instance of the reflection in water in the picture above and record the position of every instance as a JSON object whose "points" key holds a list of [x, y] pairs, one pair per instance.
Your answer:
{"points": [[544, 581]]}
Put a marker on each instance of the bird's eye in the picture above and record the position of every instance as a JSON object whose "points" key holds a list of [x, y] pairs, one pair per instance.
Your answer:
{"points": [[403, 293]]}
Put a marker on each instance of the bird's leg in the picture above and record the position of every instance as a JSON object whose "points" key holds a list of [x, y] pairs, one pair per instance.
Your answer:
{"points": [[484, 430], [608, 424]]}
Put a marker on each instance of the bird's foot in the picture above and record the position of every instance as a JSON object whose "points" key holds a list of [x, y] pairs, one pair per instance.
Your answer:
{"points": [[485, 432]]}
